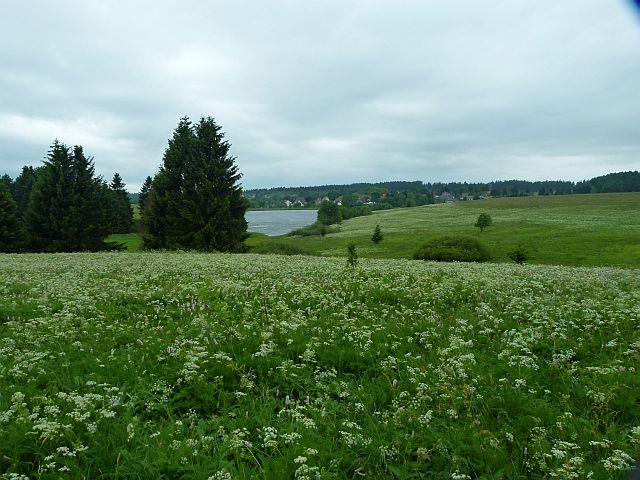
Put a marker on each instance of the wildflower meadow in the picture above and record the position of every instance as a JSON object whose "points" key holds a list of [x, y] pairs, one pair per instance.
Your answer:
{"points": [[207, 366]]}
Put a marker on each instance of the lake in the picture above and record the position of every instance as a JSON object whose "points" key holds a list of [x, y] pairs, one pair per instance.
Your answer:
{"points": [[279, 222]]}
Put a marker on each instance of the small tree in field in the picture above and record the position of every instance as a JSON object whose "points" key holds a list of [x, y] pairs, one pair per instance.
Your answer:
{"points": [[352, 256], [484, 220], [377, 236]]}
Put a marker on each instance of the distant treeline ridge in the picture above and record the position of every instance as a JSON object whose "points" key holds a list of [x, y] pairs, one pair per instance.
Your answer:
{"points": [[412, 193]]}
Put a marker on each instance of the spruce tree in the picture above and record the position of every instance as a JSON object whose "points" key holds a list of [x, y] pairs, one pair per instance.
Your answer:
{"points": [[11, 228], [195, 201], [65, 211], [8, 181], [144, 193], [377, 236], [22, 187], [48, 212], [122, 214], [87, 210]]}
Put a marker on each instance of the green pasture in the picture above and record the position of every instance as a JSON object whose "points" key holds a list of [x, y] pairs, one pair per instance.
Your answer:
{"points": [[588, 230]]}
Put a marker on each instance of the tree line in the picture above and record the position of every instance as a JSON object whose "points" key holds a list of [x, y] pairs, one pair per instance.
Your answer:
{"points": [[386, 195], [62, 206], [193, 202]]}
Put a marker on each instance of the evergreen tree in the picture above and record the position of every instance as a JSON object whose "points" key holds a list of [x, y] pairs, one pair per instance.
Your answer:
{"points": [[65, 211], [88, 206], [22, 187], [144, 193], [195, 201], [8, 181], [122, 213], [11, 229], [352, 255], [377, 235]]}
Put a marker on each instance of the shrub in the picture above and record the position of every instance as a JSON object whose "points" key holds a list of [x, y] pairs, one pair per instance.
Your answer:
{"points": [[452, 249], [519, 255], [313, 229]]}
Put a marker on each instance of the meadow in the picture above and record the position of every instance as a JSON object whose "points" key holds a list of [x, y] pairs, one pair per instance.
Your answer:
{"points": [[577, 230], [196, 366]]}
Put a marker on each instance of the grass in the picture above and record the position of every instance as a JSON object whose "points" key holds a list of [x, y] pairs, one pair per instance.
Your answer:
{"points": [[578, 230], [195, 366], [131, 241]]}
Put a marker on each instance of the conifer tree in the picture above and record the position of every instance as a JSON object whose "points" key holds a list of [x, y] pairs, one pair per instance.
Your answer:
{"points": [[22, 187], [65, 211], [377, 236], [88, 206], [122, 213], [11, 228], [144, 193], [195, 201]]}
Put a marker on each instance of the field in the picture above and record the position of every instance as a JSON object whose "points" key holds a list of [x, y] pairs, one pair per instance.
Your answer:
{"points": [[176, 365], [578, 230]]}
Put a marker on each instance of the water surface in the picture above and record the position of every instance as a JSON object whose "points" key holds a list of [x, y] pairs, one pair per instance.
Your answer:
{"points": [[279, 222]]}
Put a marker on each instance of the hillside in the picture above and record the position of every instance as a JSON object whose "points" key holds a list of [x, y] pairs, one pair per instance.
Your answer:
{"points": [[593, 229]]}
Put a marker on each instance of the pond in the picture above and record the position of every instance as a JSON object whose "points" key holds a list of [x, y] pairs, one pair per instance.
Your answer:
{"points": [[279, 222]]}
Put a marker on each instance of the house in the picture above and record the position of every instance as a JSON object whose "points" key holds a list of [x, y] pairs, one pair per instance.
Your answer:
{"points": [[446, 197], [338, 200], [288, 203], [299, 202]]}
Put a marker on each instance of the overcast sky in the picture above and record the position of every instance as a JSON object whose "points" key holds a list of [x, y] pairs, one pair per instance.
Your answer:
{"points": [[312, 92]]}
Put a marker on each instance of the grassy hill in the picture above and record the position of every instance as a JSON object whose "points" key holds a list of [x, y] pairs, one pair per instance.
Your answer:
{"points": [[594, 229]]}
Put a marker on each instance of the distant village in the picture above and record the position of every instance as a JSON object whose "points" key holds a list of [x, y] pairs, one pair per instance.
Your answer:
{"points": [[445, 197], [377, 200], [398, 194]]}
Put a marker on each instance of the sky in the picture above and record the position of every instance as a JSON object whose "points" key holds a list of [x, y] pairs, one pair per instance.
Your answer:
{"points": [[328, 91]]}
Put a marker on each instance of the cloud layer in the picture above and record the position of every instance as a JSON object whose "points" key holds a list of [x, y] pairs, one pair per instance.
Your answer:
{"points": [[329, 92]]}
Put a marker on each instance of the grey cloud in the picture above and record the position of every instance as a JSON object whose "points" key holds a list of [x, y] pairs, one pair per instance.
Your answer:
{"points": [[329, 92]]}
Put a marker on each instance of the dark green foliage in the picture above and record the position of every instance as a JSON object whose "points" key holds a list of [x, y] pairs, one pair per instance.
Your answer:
{"points": [[66, 205], [314, 229], [354, 211], [484, 221], [195, 201], [611, 183], [21, 188], [352, 256], [8, 181], [519, 254], [377, 235], [11, 228], [144, 193], [279, 248], [329, 213], [120, 211], [453, 249]]}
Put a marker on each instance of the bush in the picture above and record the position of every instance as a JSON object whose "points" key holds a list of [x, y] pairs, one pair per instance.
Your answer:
{"points": [[519, 254], [278, 248], [453, 249], [313, 229]]}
